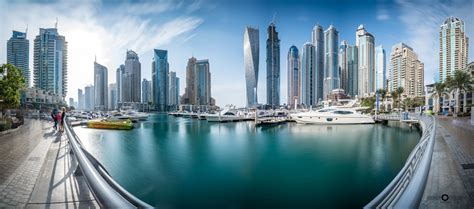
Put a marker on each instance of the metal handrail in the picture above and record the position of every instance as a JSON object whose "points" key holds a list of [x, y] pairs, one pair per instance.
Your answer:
{"points": [[406, 189], [108, 193]]}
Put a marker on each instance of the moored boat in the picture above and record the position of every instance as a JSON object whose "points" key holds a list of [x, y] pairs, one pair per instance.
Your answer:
{"points": [[110, 124], [333, 115]]}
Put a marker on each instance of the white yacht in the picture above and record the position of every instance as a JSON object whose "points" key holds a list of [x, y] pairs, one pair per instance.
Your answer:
{"points": [[332, 115], [224, 116]]}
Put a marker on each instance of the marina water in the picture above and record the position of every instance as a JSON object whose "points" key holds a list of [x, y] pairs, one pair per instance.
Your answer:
{"points": [[187, 163]]}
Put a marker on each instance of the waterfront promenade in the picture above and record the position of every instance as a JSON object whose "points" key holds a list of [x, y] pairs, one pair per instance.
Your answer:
{"points": [[451, 174], [38, 171]]}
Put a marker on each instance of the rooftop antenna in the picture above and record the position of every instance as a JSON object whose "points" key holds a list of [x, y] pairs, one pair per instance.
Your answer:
{"points": [[26, 30], [274, 16], [95, 58], [56, 24]]}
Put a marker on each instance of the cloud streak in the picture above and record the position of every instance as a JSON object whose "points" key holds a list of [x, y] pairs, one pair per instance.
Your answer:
{"points": [[92, 30], [423, 19]]}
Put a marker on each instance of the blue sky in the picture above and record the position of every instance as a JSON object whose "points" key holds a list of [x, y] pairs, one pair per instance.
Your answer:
{"points": [[209, 29]]}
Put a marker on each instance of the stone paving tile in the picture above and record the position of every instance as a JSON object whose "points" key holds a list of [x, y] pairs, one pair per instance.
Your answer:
{"points": [[17, 187], [457, 134]]}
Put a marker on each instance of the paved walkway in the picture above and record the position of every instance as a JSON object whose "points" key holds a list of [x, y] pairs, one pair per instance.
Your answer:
{"points": [[34, 164], [452, 165]]}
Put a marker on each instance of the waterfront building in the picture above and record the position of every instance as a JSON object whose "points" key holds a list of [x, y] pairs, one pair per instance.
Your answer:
{"points": [[294, 77], [146, 89], [251, 62], [273, 67], [71, 102], [406, 71], [119, 80], [132, 78], [189, 96], [173, 91], [159, 79], [331, 70], [453, 47], [18, 54], [89, 97], [50, 61], [112, 100], [100, 87], [202, 83], [366, 73], [309, 76], [198, 84], [380, 68], [317, 38], [38, 97], [80, 99]]}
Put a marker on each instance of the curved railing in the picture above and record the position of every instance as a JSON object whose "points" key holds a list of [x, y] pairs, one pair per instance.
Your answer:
{"points": [[406, 189], [108, 193]]}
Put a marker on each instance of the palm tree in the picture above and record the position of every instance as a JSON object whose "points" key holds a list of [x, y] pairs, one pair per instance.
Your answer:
{"points": [[439, 90], [399, 91], [383, 94], [461, 82]]}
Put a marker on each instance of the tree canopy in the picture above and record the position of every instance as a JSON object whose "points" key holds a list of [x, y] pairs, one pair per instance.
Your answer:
{"points": [[11, 82]]}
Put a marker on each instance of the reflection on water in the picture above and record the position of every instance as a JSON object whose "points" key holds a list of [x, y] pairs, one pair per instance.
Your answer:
{"points": [[187, 163]]}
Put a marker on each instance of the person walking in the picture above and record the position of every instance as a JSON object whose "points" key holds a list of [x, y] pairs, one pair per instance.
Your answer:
{"points": [[58, 119], [63, 115], [54, 114]]}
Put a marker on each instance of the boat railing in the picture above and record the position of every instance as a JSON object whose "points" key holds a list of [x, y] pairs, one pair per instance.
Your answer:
{"points": [[406, 189], [108, 193]]}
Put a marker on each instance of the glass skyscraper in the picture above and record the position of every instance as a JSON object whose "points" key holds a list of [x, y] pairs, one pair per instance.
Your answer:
{"points": [[18, 54], [119, 80], [251, 62], [146, 89], [273, 67], [331, 70], [173, 91], [380, 69], [160, 71], [100, 87], [365, 44], [50, 62], [133, 70], [308, 76], [453, 48], [317, 38], [202, 84], [294, 76]]}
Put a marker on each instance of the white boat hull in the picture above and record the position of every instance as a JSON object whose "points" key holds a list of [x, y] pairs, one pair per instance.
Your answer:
{"points": [[333, 120]]}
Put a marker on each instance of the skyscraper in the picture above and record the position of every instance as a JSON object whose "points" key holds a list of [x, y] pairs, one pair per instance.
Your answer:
{"points": [[343, 70], [251, 59], [80, 100], [273, 66], [453, 47], [331, 70], [380, 69], [119, 80], [366, 78], [406, 71], [18, 54], [189, 91], [146, 91], [50, 62], [89, 97], [173, 90], [112, 100], [352, 69], [202, 83], [317, 38], [294, 76], [160, 71], [133, 73], [309, 76], [100, 87]]}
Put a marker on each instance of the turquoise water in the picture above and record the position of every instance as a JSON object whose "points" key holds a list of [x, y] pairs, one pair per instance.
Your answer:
{"points": [[186, 163]]}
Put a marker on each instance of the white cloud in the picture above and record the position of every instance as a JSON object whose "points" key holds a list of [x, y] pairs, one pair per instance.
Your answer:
{"points": [[382, 14], [423, 19], [91, 30]]}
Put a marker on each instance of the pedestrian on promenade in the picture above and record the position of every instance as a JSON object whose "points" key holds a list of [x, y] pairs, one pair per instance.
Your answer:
{"points": [[63, 115], [54, 114], [58, 119]]}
